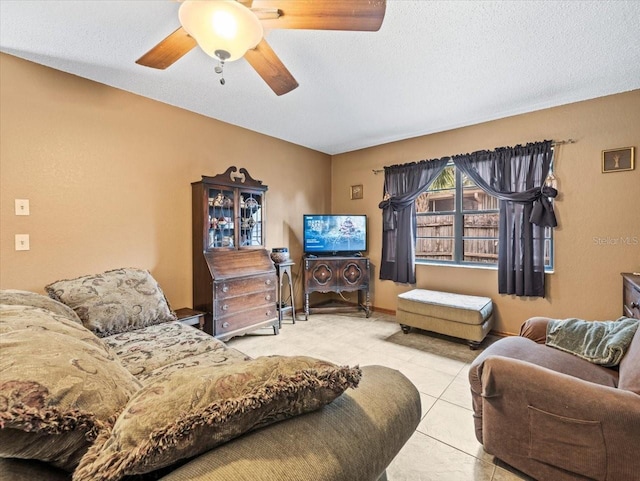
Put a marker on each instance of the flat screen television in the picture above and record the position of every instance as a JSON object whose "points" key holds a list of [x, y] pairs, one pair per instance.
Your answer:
{"points": [[334, 234]]}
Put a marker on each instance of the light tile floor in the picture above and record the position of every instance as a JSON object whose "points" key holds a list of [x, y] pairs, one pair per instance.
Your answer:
{"points": [[444, 446]]}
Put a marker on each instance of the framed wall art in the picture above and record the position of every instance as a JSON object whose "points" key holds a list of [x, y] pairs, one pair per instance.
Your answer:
{"points": [[618, 160], [356, 192]]}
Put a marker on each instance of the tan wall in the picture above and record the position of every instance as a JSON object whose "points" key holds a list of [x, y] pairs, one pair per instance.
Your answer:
{"points": [[108, 175], [595, 210]]}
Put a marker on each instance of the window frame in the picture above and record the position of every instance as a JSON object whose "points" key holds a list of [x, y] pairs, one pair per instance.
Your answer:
{"points": [[458, 232]]}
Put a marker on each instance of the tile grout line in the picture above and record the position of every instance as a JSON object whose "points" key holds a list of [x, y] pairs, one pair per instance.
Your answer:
{"points": [[461, 451]]}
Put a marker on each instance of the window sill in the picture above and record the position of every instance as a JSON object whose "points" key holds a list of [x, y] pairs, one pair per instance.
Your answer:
{"points": [[466, 266], [446, 264]]}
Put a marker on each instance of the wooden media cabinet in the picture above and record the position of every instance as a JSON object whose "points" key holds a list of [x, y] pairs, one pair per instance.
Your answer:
{"points": [[337, 274]]}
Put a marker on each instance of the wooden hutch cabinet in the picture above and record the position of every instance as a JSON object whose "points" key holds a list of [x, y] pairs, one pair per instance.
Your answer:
{"points": [[234, 279], [337, 274]]}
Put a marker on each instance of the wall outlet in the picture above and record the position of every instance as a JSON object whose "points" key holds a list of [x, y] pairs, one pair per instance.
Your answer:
{"points": [[22, 206], [22, 242]]}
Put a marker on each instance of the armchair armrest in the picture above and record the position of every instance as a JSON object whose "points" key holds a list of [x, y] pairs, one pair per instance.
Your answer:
{"points": [[541, 419], [535, 328], [524, 349]]}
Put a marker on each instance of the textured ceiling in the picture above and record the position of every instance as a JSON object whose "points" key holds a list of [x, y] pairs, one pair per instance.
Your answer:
{"points": [[433, 66]]}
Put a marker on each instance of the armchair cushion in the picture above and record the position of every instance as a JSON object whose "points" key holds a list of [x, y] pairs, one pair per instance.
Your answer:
{"points": [[115, 301], [190, 411]]}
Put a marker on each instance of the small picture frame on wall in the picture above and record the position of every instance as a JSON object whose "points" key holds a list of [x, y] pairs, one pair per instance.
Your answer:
{"points": [[618, 160], [356, 192]]}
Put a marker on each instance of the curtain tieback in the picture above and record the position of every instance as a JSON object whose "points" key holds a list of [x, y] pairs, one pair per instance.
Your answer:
{"points": [[388, 215], [542, 213]]}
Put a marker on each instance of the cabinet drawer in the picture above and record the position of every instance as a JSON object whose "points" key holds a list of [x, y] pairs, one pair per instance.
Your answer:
{"points": [[243, 286], [232, 305], [245, 318], [631, 299]]}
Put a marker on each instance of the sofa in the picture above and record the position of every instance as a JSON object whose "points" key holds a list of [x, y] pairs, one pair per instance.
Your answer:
{"points": [[99, 381], [554, 415]]}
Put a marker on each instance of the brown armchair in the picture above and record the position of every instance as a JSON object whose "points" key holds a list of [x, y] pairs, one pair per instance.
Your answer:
{"points": [[553, 415]]}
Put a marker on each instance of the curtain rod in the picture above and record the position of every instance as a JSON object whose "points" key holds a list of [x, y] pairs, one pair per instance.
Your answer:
{"points": [[553, 144]]}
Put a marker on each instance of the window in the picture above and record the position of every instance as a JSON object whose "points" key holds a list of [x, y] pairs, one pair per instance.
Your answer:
{"points": [[457, 223]]}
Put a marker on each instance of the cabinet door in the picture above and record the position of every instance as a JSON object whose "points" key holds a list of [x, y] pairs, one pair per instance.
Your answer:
{"points": [[251, 219], [221, 218], [354, 274], [319, 275]]}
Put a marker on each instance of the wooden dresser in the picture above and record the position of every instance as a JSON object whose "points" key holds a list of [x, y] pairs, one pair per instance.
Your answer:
{"points": [[243, 292], [631, 295], [234, 279], [337, 274]]}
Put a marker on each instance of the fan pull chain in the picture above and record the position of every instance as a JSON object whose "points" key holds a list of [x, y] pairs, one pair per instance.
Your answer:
{"points": [[220, 70], [221, 55]]}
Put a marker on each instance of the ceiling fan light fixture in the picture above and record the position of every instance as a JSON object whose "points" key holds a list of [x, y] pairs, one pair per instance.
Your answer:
{"points": [[221, 27]]}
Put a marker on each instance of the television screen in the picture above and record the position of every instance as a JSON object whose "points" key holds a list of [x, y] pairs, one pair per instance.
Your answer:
{"points": [[335, 234]]}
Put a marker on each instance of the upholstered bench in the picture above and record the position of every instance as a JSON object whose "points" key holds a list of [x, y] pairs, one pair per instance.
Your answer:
{"points": [[456, 315]]}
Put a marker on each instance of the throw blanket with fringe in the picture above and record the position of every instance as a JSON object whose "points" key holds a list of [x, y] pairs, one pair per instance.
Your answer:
{"points": [[599, 342]]}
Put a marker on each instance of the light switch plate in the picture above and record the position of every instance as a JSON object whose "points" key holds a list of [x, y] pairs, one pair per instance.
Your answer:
{"points": [[22, 242], [22, 206]]}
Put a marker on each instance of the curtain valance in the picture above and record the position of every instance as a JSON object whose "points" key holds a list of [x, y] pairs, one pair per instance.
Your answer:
{"points": [[514, 175]]}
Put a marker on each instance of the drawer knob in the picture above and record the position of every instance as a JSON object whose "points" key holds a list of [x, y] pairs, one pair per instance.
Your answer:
{"points": [[225, 288], [635, 305], [225, 324], [268, 313], [268, 282], [225, 307], [268, 297]]}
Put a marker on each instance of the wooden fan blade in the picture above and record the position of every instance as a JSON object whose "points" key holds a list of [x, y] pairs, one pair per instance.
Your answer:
{"points": [[269, 66], [362, 15], [168, 51]]}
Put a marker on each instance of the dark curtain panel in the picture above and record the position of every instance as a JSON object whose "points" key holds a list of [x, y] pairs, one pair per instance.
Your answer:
{"points": [[402, 185], [516, 176]]}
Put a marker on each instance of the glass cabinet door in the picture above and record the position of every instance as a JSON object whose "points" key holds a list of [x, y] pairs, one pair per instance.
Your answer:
{"points": [[251, 219], [221, 218]]}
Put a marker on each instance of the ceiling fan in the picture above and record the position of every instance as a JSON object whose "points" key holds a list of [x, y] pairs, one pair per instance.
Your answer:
{"points": [[230, 29]]}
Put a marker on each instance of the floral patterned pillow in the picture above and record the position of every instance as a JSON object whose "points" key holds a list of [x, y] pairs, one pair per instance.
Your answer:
{"points": [[14, 297], [115, 301], [190, 411], [59, 386]]}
